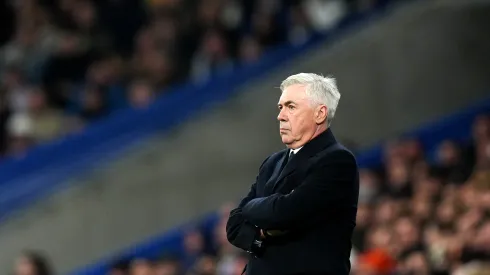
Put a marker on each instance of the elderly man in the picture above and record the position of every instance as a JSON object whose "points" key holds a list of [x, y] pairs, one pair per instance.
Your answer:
{"points": [[299, 215]]}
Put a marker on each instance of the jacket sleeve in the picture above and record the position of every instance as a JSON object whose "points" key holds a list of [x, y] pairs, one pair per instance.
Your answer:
{"points": [[240, 232], [332, 184]]}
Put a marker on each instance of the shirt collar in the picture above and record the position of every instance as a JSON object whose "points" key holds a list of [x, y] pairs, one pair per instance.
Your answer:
{"points": [[295, 151]]}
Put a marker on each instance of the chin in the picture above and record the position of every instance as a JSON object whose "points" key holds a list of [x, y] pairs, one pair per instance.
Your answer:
{"points": [[286, 140]]}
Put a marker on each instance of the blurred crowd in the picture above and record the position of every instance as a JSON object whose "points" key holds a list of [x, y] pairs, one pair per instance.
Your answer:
{"points": [[427, 212], [421, 213], [66, 63]]}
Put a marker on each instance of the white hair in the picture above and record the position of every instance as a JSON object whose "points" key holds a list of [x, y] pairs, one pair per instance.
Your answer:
{"points": [[320, 89]]}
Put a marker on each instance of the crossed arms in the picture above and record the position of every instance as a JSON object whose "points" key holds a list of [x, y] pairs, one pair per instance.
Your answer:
{"points": [[327, 187]]}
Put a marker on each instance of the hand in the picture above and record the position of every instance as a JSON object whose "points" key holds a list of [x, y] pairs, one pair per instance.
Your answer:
{"points": [[272, 233], [262, 234]]}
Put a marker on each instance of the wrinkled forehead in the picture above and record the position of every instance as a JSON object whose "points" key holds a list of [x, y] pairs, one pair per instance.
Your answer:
{"points": [[294, 93]]}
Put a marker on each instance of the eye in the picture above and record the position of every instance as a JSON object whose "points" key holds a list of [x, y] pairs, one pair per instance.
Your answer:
{"points": [[291, 107]]}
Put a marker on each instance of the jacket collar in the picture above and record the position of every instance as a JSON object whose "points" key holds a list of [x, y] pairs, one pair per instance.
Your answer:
{"points": [[310, 149]]}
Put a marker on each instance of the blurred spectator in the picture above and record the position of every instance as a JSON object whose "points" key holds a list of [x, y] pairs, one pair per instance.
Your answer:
{"points": [[193, 247], [415, 263], [140, 94], [168, 266], [369, 186], [451, 164], [398, 178], [20, 133], [141, 267], [300, 29], [375, 262], [212, 55], [120, 268], [46, 121], [32, 263], [325, 14], [250, 50], [205, 265]]}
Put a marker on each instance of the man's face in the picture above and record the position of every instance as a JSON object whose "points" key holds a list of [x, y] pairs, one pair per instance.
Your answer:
{"points": [[297, 116]]}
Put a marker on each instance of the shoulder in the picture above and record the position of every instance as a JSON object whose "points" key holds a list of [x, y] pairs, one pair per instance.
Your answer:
{"points": [[336, 163], [336, 153]]}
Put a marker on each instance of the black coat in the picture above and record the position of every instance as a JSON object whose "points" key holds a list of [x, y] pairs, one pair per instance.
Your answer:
{"points": [[312, 200]]}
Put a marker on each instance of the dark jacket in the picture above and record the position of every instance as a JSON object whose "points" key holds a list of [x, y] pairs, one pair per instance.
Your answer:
{"points": [[312, 200]]}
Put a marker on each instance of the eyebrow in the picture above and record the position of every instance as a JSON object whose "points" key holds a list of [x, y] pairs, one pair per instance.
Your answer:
{"points": [[289, 102]]}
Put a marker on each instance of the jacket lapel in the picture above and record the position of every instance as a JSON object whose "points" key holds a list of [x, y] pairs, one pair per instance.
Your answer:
{"points": [[269, 185], [310, 149]]}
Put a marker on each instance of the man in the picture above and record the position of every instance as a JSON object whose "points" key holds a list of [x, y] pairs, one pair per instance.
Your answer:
{"points": [[299, 215]]}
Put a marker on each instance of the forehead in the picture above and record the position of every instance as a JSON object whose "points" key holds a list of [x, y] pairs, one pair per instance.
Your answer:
{"points": [[295, 93]]}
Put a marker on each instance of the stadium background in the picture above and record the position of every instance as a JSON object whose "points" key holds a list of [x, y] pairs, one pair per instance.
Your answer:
{"points": [[129, 127]]}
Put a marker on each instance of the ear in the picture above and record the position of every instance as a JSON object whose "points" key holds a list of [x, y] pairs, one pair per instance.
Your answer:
{"points": [[321, 113]]}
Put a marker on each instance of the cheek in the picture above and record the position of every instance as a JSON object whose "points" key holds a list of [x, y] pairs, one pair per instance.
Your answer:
{"points": [[298, 123]]}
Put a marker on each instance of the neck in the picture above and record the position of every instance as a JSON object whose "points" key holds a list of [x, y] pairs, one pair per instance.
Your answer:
{"points": [[319, 129]]}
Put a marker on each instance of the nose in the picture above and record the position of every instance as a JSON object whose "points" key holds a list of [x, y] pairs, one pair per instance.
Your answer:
{"points": [[281, 116]]}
